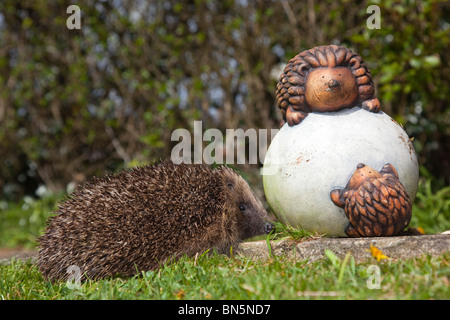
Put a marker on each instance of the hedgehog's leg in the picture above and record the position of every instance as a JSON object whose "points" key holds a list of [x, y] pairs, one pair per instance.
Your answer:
{"points": [[372, 105], [351, 231]]}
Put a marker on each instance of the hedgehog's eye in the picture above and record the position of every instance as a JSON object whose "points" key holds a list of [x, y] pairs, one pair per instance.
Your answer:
{"points": [[242, 207]]}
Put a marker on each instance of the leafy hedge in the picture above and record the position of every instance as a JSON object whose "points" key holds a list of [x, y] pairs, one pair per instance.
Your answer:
{"points": [[76, 103]]}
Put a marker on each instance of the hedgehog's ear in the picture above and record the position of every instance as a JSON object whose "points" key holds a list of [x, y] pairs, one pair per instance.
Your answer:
{"points": [[230, 185]]}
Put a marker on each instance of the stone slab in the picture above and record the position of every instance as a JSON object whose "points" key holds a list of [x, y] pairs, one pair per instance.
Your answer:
{"points": [[313, 249]]}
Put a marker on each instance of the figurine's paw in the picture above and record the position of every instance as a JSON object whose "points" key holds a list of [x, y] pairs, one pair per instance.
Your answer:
{"points": [[294, 117], [372, 105], [336, 198]]}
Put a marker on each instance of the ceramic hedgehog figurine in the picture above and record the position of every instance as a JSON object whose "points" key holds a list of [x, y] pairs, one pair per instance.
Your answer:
{"points": [[135, 220], [324, 79], [375, 203]]}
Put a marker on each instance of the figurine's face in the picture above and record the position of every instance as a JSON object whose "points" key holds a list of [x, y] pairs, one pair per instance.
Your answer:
{"points": [[362, 173], [330, 89]]}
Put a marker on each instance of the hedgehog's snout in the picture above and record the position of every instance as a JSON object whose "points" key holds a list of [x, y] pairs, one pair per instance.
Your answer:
{"points": [[268, 227], [360, 165]]}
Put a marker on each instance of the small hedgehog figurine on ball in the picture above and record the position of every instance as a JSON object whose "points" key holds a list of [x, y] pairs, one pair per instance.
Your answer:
{"points": [[324, 79], [375, 203], [137, 219]]}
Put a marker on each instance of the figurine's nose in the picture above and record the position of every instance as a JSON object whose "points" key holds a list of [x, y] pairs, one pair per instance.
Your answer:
{"points": [[360, 165], [333, 83]]}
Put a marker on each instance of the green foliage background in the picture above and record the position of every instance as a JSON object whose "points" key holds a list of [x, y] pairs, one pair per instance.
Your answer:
{"points": [[77, 103]]}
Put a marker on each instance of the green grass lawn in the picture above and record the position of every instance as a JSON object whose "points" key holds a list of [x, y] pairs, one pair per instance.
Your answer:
{"points": [[220, 277]]}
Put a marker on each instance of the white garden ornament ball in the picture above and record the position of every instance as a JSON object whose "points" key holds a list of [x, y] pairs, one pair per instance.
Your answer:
{"points": [[333, 123], [305, 162]]}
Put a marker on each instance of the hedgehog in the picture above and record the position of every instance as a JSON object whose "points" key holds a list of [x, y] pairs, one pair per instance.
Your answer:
{"points": [[137, 219], [324, 79], [376, 203]]}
